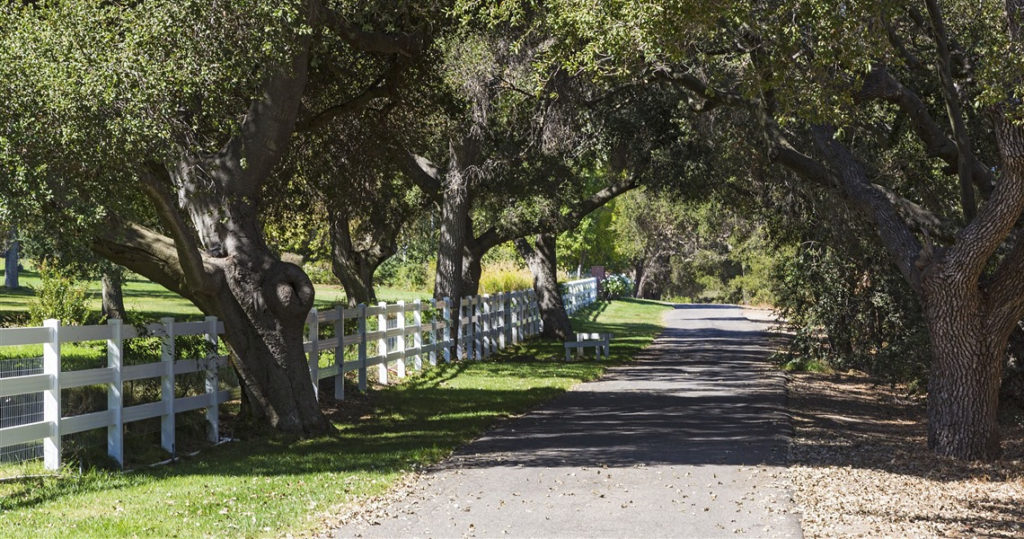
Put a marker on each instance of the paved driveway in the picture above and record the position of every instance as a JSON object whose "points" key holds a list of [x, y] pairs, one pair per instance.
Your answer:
{"points": [[687, 442]]}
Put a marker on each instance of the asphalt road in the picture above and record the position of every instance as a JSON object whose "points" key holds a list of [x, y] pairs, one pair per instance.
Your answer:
{"points": [[688, 442]]}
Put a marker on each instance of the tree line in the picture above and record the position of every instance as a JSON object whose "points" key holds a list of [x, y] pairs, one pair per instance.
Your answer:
{"points": [[182, 140]]}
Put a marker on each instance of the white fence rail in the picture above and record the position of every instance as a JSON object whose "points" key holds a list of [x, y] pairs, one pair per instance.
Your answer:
{"points": [[414, 330], [53, 380]]}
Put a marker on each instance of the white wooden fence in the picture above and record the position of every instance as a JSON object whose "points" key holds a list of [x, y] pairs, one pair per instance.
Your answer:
{"points": [[484, 324], [579, 294], [53, 379]]}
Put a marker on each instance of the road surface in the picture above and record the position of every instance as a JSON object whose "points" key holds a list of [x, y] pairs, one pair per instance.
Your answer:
{"points": [[689, 441]]}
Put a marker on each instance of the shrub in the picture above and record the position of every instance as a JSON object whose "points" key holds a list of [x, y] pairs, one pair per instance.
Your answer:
{"points": [[505, 277], [404, 274], [851, 312], [60, 296], [320, 272], [616, 286]]}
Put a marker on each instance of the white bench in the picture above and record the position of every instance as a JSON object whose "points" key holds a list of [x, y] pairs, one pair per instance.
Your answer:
{"points": [[597, 341]]}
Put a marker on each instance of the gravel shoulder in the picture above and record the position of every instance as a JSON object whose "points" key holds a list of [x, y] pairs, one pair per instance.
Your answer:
{"points": [[859, 466]]}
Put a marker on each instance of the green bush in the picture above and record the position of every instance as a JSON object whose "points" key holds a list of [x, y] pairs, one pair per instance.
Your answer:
{"points": [[59, 296], [320, 272], [405, 274], [617, 286], [505, 277], [851, 312]]}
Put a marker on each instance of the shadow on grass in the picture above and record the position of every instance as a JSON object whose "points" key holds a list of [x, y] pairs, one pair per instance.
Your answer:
{"points": [[416, 423], [20, 291]]}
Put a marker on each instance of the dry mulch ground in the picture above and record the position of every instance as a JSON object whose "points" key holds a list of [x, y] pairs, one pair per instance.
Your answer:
{"points": [[859, 467]]}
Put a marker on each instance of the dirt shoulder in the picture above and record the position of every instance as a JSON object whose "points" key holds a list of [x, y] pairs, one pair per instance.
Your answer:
{"points": [[859, 467]]}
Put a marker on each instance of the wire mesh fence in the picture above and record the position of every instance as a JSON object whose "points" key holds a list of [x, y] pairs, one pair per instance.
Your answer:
{"points": [[21, 409]]}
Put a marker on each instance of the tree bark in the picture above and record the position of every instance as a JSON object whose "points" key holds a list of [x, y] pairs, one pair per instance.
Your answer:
{"points": [[542, 261], [966, 371], [472, 266], [354, 265], [639, 278], [454, 216], [11, 263], [113, 294]]}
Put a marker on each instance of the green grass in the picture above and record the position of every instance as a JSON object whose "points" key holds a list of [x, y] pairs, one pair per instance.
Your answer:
{"points": [[269, 488], [141, 296], [154, 301]]}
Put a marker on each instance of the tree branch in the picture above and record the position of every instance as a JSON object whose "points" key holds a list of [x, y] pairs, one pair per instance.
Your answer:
{"points": [[953, 111], [378, 90], [157, 182], [711, 95], [424, 173], [553, 222], [980, 239], [376, 42], [150, 254], [873, 204], [881, 85]]}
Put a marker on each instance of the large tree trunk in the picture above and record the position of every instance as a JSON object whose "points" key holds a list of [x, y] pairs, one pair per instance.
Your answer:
{"points": [[11, 262], [541, 258], [966, 371], [113, 294], [264, 308], [454, 216], [472, 267], [217, 256]]}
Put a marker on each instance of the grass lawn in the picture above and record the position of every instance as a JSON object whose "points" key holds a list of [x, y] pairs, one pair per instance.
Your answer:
{"points": [[270, 488], [154, 301]]}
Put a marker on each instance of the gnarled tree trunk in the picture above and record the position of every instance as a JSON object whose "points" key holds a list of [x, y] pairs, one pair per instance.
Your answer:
{"points": [[113, 294], [217, 256], [542, 261]]}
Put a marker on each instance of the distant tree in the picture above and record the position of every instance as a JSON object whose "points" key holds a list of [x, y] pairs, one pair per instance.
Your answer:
{"points": [[11, 261]]}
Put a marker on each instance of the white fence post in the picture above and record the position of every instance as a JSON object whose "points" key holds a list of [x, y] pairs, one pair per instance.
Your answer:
{"points": [[167, 386], [382, 343], [448, 330], [433, 332], [213, 408], [361, 328], [486, 322], [51, 397], [115, 397], [460, 332], [513, 303], [400, 341], [506, 334], [314, 350], [478, 333], [339, 354], [417, 338]]}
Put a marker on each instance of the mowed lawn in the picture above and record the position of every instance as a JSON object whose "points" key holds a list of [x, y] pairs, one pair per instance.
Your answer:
{"points": [[153, 301], [273, 487]]}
